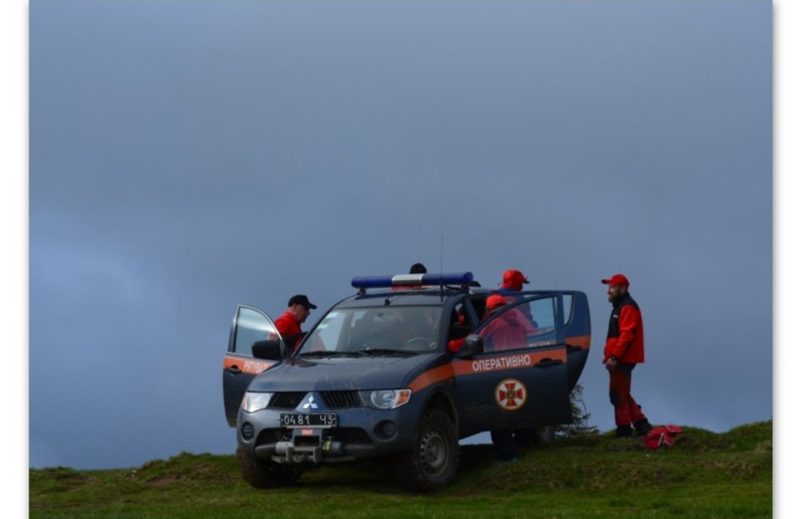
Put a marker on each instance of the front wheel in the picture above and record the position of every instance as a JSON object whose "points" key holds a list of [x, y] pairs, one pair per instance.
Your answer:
{"points": [[265, 474], [433, 461]]}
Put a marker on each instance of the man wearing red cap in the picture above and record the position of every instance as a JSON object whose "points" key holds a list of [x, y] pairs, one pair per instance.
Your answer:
{"points": [[513, 281], [288, 324], [624, 349]]}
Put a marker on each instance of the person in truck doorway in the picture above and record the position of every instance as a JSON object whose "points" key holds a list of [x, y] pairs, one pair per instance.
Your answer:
{"points": [[506, 332], [624, 349], [288, 324]]}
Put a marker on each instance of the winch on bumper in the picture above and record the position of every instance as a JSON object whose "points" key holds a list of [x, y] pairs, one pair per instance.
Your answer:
{"points": [[312, 446]]}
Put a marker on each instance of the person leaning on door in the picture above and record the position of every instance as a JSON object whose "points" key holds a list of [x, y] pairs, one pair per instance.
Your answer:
{"points": [[288, 324]]}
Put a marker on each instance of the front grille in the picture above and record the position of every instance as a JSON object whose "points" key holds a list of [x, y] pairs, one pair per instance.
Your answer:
{"points": [[288, 400], [342, 399]]}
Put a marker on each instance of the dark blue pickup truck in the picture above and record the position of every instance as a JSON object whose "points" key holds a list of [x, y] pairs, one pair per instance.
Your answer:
{"points": [[402, 369]]}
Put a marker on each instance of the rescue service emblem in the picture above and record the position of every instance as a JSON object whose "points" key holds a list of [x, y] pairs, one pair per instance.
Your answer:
{"points": [[510, 394]]}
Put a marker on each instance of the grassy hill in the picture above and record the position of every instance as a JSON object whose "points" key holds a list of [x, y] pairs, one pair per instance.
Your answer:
{"points": [[704, 475]]}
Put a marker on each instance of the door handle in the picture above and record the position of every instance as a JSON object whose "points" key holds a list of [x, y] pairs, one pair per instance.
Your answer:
{"points": [[233, 369], [548, 363]]}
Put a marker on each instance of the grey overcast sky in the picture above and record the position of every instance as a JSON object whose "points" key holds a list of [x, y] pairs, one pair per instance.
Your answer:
{"points": [[187, 156]]}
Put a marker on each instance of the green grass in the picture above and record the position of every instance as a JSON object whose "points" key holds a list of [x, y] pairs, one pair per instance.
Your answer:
{"points": [[704, 475]]}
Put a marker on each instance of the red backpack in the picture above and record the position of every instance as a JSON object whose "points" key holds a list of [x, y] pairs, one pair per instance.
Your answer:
{"points": [[659, 436]]}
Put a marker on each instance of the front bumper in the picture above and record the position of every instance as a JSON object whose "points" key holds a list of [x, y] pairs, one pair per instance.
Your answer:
{"points": [[361, 433]]}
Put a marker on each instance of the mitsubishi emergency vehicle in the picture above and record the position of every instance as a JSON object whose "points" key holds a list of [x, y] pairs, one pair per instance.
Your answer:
{"points": [[401, 370]]}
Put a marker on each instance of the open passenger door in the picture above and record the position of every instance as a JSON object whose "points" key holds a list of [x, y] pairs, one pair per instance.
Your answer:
{"points": [[521, 379], [239, 366]]}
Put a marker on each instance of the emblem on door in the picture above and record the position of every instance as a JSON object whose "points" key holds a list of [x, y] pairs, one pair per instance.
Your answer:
{"points": [[510, 394]]}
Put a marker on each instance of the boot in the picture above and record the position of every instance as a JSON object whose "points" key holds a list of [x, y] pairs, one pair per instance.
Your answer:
{"points": [[624, 431], [642, 426]]}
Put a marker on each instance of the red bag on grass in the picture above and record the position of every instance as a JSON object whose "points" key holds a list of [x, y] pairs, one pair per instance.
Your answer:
{"points": [[664, 435]]}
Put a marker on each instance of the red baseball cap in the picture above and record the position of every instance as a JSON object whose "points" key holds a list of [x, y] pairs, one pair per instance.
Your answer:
{"points": [[495, 301], [616, 279], [513, 277]]}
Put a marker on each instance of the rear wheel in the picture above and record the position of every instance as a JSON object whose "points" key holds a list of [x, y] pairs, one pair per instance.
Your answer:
{"points": [[265, 474], [433, 461]]}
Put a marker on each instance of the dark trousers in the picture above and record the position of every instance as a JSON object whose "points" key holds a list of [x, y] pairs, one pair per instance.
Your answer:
{"points": [[508, 441], [626, 410], [504, 445]]}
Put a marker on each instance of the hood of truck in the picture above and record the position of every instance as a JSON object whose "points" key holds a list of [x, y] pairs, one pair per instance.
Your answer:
{"points": [[342, 373]]}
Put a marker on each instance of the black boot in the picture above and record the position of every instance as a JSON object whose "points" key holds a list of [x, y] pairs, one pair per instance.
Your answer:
{"points": [[624, 431], [504, 448], [642, 426]]}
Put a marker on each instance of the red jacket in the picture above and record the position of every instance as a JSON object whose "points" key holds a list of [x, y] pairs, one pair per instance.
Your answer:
{"points": [[507, 332], [289, 327], [625, 339]]}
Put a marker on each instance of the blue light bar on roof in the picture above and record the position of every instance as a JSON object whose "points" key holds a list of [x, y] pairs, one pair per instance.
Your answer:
{"points": [[453, 278]]}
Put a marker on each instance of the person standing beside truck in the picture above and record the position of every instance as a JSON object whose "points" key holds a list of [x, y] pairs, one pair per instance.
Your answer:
{"points": [[623, 350], [513, 281]]}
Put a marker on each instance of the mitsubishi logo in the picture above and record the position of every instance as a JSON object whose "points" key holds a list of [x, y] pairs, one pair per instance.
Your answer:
{"points": [[310, 404]]}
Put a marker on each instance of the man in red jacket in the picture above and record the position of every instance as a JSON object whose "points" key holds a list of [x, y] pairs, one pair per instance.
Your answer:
{"points": [[513, 280], [288, 324], [624, 349]]}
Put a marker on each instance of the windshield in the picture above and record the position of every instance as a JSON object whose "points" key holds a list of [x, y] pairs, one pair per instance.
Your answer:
{"points": [[379, 330]]}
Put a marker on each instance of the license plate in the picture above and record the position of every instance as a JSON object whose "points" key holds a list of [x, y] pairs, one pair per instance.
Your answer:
{"points": [[308, 420]]}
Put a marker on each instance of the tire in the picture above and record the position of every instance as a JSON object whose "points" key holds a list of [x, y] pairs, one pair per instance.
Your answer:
{"points": [[433, 461], [265, 474]]}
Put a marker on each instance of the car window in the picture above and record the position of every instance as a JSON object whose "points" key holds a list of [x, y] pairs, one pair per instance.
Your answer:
{"points": [[404, 328], [460, 323], [328, 331], [522, 323], [252, 326]]}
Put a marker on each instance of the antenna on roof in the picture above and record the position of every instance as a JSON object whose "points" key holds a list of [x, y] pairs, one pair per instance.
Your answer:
{"points": [[441, 254]]}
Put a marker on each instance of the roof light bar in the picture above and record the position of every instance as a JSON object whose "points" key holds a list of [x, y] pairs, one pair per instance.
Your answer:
{"points": [[453, 278]]}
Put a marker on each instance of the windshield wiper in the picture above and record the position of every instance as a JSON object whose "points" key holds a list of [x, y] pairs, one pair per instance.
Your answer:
{"points": [[328, 354], [386, 351]]}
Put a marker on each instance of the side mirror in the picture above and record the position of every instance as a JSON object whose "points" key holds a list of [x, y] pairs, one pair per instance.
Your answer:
{"points": [[269, 349], [473, 345]]}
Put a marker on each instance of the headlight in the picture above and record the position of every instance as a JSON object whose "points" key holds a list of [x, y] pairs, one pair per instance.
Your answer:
{"points": [[387, 398], [253, 402]]}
